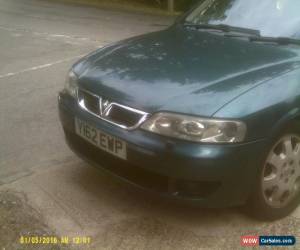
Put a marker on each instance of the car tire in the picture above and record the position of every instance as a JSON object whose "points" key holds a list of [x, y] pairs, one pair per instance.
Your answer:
{"points": [[269, 201]]}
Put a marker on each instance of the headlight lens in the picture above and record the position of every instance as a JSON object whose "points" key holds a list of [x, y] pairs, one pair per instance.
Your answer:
{"points": [[196, 129], [71, 84]]}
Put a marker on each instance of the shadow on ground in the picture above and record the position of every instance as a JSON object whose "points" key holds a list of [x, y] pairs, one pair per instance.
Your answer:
{"points": [[75, 198], [152, 221]]}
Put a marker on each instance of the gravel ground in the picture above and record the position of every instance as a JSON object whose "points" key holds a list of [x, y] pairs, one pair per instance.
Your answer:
{"points": [[18, 219]]}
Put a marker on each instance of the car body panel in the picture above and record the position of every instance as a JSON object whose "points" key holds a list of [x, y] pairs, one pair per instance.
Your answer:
{"points": [[267, 108], [229, 165], [182, 70]]}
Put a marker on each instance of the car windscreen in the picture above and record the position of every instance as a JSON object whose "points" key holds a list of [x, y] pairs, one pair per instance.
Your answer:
{"points": [[274, 18]]}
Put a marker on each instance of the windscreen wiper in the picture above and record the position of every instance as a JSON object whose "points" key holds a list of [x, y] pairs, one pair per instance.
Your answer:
{"points": [[278, 40], [223, 28]]}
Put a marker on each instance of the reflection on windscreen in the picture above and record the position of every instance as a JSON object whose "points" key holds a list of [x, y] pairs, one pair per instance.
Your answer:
{"points": [[272, 17]]}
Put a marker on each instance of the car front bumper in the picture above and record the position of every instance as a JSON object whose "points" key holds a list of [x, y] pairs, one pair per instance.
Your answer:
{"points": [[206, 174]]}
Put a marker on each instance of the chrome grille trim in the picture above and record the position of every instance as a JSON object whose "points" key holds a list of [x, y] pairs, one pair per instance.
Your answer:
{"points": [[106, 113]]}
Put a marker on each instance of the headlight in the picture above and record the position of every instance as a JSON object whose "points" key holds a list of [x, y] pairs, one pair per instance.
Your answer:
{"points": [[196, 129], [71, 84]]}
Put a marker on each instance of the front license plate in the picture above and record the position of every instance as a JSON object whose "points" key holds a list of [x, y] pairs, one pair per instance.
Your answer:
{"points": [[100, 139]]}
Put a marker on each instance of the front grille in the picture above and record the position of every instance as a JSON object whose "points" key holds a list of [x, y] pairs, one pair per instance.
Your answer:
{"points": [[117, 114], [123, 116], [91, 102]]}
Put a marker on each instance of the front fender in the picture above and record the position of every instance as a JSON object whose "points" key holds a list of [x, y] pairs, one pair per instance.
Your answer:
{"points": [[267, 108]]}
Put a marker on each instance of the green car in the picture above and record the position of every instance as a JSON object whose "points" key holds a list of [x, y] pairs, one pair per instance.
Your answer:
{"points": [[206, 111]]}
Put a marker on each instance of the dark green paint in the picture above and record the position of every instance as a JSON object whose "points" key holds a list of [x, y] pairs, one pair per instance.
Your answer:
{"points": [[199, 73]]}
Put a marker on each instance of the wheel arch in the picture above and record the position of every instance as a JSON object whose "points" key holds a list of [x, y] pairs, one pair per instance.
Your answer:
{"points": [[292, 117]]}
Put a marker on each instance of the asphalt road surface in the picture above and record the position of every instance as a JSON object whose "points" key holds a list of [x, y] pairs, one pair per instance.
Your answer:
{"points": [[39, 41]]}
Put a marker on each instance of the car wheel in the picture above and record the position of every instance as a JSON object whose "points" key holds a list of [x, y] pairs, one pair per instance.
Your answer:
{"points": [[277, 191]]}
